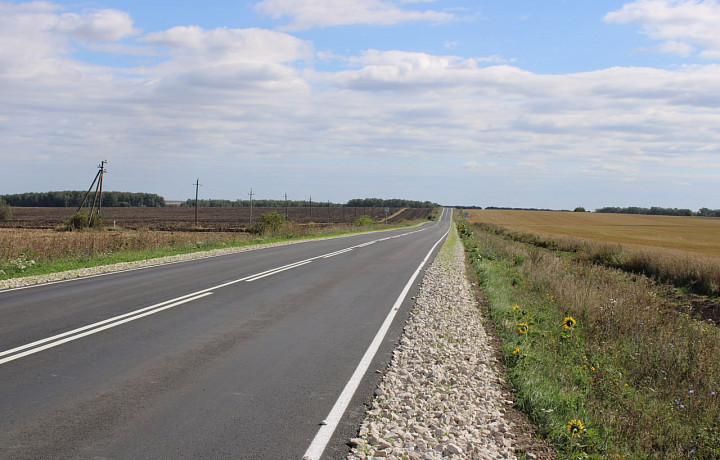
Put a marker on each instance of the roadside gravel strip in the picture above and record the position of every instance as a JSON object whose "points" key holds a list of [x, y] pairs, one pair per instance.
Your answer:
{"points": [[136, 265], [441, 396]]}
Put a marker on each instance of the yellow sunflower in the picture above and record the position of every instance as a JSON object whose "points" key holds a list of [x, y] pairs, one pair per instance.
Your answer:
{"points": [[576, 428], [569, 322], [522, 328]]}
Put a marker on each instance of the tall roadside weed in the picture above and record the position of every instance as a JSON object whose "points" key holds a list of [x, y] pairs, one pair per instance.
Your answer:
{"points": [[603, 364]]}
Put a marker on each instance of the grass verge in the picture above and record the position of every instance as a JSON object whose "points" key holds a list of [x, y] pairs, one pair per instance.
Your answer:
{"points": [[601, 363], [40, 252]]}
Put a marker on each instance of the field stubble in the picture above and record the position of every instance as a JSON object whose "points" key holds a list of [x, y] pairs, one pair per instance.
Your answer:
{"points": [[681, 251], [693, 234]]}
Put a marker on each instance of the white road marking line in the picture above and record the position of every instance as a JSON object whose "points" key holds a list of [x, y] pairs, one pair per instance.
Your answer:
{"points": [[97, 275], [99, 329], [94, 328], [317, 447], [336, 253], [90, 326], [277, 270]]}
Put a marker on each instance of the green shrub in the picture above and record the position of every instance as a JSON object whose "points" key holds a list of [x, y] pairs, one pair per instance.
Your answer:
{"points": [[273, 224], [364, 221], [81, 220]]}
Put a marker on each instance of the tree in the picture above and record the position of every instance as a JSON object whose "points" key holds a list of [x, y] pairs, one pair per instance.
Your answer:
{"points": [[579, 209], [5, 212]]}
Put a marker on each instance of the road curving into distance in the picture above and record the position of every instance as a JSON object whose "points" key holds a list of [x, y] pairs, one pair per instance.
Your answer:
{"points": [[263, 354]]}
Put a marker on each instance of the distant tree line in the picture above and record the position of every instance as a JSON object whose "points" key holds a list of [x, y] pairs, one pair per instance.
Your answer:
{"points": [[524, 209], [354, 203], [391, 203], [257, 203], [72, 198], [657, 211]]}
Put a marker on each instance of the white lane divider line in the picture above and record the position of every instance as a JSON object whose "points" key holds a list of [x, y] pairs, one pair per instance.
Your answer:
{"points": [[95, 328], [317, 447], [59, 339], [276, 270], [333, 254], [90, 326]]}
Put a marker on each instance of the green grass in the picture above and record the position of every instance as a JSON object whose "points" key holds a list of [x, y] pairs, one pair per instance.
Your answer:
{"points": [[29, 265], [642, 378]]}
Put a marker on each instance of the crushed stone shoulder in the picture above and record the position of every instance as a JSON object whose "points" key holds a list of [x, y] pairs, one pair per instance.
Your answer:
{"points": [[442, 395]]}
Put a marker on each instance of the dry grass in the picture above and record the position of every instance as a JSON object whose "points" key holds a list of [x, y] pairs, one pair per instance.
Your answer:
{"points": [[48, 245], [644, 378], [694, 234]]}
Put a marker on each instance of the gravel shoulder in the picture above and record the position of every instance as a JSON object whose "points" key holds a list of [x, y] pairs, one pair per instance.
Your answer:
{"points": [[443, 395], [139, 264]]}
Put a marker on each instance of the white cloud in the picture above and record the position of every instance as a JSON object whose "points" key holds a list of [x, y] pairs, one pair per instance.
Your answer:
{"points": [[36, 39], [232, 44], [682, 25], [100, 25], [239, 100], [307, 14]]}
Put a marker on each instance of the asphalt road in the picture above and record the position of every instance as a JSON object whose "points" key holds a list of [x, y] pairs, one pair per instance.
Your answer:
{"points": [[237, 356]]}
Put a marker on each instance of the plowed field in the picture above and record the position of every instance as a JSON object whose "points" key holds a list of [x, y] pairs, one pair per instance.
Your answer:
{"points": [[211, 219]]}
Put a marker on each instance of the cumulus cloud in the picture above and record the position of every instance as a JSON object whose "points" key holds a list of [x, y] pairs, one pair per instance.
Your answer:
{"points": [[682, 25], [307, 14], [37, 39], [101, 25], [239, 44], [228, 99]]}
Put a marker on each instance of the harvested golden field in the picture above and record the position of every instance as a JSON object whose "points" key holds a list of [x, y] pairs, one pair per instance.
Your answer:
{"points": [[695, 234]]}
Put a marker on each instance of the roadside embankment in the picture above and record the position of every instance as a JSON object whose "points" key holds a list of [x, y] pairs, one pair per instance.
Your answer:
{"points": [[442, 395]]}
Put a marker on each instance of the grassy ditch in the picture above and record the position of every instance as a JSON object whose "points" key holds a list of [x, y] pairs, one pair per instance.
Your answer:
{"points": [[603, 364]]}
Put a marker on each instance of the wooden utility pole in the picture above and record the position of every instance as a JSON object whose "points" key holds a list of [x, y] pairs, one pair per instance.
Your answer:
{"points": [[102, 171], [310, 207], [251, 195], [286, 207], [197, 188], [97, 198]]}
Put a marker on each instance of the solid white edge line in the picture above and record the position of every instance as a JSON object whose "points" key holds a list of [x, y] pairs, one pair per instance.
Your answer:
{"points": [[99, 329], [317, 447]]}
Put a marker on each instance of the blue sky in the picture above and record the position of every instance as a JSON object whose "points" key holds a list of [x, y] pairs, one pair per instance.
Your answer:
{"points": [[548, 104]]}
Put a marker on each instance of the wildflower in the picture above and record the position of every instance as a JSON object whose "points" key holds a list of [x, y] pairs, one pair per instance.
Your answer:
{"points": [[569, 322], [516, 351], [516, 307], [522, 328], [575, 427]]}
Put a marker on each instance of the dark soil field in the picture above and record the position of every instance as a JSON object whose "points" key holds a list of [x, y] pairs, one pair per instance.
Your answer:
{"points": [[210, 219]]}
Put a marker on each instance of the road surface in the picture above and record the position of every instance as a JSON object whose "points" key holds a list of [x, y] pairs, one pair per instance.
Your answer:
{"points": [[255, 355]]}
